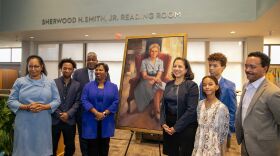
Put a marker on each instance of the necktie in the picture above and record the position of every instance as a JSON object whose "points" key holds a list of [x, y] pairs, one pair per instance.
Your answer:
{"points": [[91, 75]]}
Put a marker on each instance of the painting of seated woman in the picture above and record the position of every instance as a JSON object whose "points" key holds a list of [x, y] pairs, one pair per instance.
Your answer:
{"points": [[147, 69]]}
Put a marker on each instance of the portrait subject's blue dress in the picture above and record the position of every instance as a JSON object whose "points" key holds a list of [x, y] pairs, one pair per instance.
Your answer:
{"points": [[32, 134], [144, 92]]}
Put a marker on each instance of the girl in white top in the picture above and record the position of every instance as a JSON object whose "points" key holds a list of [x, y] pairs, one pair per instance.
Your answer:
{"points": [[213, 121]]}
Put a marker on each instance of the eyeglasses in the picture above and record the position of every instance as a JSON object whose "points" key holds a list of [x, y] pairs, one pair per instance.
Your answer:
{"points": [[35, 67]]}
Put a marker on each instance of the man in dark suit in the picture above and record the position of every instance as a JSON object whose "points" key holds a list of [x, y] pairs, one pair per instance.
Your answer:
{"points": [[84, 75], [258, 115], [64, 119]]}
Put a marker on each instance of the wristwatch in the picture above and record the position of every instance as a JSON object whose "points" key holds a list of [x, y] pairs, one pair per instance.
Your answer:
{"points": [[105, 114]]}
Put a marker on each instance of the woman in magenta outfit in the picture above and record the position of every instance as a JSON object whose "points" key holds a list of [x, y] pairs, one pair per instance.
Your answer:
{"points": [[100, 99]]}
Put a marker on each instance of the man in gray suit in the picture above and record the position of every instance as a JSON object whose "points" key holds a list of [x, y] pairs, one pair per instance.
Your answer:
{"points": [[258, 115], [63, 119], [84, 75]]}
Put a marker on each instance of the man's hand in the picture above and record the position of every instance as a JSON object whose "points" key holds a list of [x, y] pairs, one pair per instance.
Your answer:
{"points": [[64, 116]]}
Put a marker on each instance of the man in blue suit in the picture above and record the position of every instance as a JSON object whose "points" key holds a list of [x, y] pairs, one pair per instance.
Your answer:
{"points": [[84, 75], [217, 63], [64, 117]]}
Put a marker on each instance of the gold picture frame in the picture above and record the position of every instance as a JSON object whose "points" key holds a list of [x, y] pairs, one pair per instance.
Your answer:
{"points": [[273, 74], [129, 115]]}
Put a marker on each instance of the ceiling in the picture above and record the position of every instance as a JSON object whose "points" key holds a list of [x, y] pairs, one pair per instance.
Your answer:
{"points": [[268, 26]]}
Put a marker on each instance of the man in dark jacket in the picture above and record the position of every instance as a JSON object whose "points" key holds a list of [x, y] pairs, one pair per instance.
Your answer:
{"points": [[64, 118], [84, 75]]}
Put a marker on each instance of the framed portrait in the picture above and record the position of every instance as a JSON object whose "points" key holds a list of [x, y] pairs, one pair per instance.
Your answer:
{"points": [[146, 69], [273, 74]]}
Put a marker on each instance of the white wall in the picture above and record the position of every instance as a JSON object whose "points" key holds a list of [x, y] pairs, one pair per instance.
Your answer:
{"points": [[28, 14]]}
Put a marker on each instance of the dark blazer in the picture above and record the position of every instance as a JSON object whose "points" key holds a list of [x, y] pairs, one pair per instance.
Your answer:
{"points": [[227, 97], [260, 130], [81, 75], [186, 105], [72, 101], [89, 101]]}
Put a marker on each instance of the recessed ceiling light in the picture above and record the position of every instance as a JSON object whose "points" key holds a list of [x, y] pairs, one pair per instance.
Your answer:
{"points": [[31, 37], [86, 35], [154, 33], [232, 32]]}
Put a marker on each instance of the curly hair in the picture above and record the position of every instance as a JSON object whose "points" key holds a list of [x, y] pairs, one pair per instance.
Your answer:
{"points": [[67, 60], [218, 57]]}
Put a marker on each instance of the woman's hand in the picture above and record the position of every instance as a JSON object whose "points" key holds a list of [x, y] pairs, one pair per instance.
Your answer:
{"points": [[172, 131], [168, 130], [25, 107], [164, 126], [151, 82], [99, 116], [158, 80], [36, 107]]}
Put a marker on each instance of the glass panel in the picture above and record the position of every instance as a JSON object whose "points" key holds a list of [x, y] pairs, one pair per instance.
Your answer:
{"points": [[52, 68], [107, 51], [233, 72], [16, 54], [48, 52], [266, 49], [115, 70], [196, 51], [5, 55], [275, 54], [75, 51], [79, 65], [232, 49], [199, 72]]}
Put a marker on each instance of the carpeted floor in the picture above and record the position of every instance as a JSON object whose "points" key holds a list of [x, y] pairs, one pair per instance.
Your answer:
{"points": [[146, 147]]}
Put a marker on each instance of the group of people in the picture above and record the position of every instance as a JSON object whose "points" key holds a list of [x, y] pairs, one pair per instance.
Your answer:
{"points": [[203, 128], [46, 108], [196, 120], [193, 127]]}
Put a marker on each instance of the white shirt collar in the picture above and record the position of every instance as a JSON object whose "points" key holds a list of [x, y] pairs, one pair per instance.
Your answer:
{"points": [[256, 83], [219, 79]]}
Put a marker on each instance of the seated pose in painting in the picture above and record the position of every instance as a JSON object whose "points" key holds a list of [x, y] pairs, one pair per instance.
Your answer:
{"points": [[33, 98], [178, 110], [213, 121], [100, 99], [149, 89]]}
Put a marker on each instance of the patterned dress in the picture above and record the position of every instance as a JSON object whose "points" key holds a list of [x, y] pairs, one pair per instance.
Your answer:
{"points": [[213, 126]]}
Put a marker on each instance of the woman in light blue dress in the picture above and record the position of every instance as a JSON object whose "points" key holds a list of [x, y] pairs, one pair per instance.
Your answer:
{"points": [[33, 98], [148, 88]]}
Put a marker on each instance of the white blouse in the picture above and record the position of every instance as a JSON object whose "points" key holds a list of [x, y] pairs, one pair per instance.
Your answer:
{"points": [[213, 127]]}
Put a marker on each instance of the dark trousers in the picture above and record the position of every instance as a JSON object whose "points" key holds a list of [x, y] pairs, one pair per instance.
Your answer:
{"points": [[180, 143], [98, 146], [68, 132], [83, 142]]}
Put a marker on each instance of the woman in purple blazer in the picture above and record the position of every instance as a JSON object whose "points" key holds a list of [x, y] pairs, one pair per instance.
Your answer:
{"points": [[100, 99]]}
